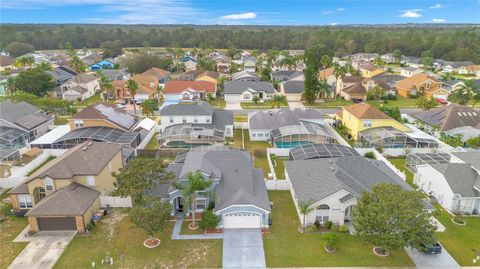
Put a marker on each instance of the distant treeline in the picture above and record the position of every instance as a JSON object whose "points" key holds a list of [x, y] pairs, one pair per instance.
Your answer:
{"points": [[457, 43]]}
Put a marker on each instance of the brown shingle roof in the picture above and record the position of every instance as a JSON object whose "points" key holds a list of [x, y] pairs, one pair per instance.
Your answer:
{"points": [[177, 86], [72, 200], [365, 111], [108, 112], [6, 60], [356, 88], [156, 72], [450, 117], [352, 79], [409, 82]]}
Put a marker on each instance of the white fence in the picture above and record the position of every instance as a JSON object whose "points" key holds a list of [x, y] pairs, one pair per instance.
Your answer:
{"points": [[280, 152], [10, 182], [280, 185], [336, 135], [380, 157], [115, 201], [149, 136]]}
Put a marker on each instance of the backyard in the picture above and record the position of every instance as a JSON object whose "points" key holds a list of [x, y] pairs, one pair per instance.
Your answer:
{"points": [[399, 163], [280, 168], [153, 143], [332, 103], [257, 148], [117, 237], [286, 247]]}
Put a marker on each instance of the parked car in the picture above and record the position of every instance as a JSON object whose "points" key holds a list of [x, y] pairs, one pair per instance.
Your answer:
{"points": [[434, 248], [121, 106], [442, 101], [139, 101], [124, 102]]}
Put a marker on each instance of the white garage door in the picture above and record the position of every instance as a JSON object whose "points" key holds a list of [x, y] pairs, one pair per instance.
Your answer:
{"points": [[241, 220], [440, 96]]}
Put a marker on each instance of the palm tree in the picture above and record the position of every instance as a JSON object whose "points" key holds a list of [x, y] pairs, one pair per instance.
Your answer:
{"points": [[304, 208], [278, 100], [159, 90], [132, 86], [323, 87], [339, 71], [11, 85], [44, 66], [147, 107], [196, 182], [77, 65], [468, 92], [26, 61], [105, 84]]}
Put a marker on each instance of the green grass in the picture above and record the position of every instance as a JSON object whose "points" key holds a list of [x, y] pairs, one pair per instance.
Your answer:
{"points": [[280, 168], [286, 247], [90, 101], [153, 143], [184, 229], [399, 163], [401, 102], [60, 121], [41, 165], [218, 103], [240, 117], [337, 102], [265, 104], [462, 242], [123, 237], [9, 229], [257, 148]]}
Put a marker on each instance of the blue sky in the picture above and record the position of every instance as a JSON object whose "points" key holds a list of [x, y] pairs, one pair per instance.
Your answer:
{"points": [[266, 12]]}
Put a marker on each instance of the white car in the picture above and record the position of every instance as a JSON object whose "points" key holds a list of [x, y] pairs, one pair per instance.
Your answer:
{"points": [[120, 106]]}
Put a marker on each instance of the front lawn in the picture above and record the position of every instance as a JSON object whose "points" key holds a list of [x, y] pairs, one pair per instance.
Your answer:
{"points": [[399, 163], [185, 230], [257, 148], [261, 105], [401, 102], [10, 227], [117, 237], [332, 103], [285, 247], [462, 242], [218, 103]]}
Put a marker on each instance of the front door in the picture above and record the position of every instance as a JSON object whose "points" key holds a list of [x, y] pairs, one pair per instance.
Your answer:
{"points": [[180, 203], [348, 213]]}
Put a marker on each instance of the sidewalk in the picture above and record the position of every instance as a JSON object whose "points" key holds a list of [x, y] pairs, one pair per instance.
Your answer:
{"points": [[177, 236]]}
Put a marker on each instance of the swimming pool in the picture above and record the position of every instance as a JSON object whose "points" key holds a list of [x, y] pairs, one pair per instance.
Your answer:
{"points": [[292, 144]]}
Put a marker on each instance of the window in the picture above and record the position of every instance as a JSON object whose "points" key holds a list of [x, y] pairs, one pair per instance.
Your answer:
{"points": [[247, 96], [208, 120], [78, 123], [48, 184], [201, 203], [254, 134], [171, 119], [24, 201], [427, 84], [323, 213], [91, 180], [367, 123], [184, 119], [195, 119]]}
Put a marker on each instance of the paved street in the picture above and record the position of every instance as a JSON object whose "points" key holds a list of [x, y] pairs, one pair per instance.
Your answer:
{"points": [[243, 248]]}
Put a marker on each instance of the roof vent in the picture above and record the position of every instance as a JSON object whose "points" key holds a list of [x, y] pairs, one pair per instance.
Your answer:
{"points": [[89, 143], [84, 148], [332, 168]]}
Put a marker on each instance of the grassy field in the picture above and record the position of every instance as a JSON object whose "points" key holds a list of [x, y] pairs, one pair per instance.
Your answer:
{"points": [[41, 165], [286, 247], [184, 229], [337, 102], [462, 242], [240, 117], [153, 143], [257, 148], [90, 101], [116, 235], [399, 163], [218, 103], [280, 168]]}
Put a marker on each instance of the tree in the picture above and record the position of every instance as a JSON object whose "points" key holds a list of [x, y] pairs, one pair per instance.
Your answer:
{"points": [[426, 103], [111, 49], [149, 106], [265, 73], [375, 93], [256, 99], [16, 49], [379, 61], [105, 84], [78, 65], [196, 182], [152, 217], [427, 59], [397, 55], [391, 217], [474, 142], [138, 177], [278, 100], [206, 64], [311, 79], [326, 61], [10, 85], [393, 112], [44, 66], [34, 81], [339, 71], [25, 61], [53, 106], [468, 92], [132, 86], [304, 207], [141, 62], [158, 92], [330, 240], [209, 220]]}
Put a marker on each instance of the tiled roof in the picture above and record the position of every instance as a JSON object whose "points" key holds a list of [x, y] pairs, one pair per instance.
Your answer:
{"points": [[177, 86], [365, 111], [409, 82]]}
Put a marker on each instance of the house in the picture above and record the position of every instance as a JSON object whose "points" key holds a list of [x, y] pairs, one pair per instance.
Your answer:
{"points": [[411, 61], [370, 70], [388, 58], [80, 87], [470, 70], [189, 62], [186, 90], [287, 128], [450, 66], [65, 193], [91, 58], [448, 117], [327, 75], [6, 62], [369, 57], [250, 63], [455, 185], [200, 75], [223, 64], [345, 82], [356, 87], [410, 71], [390, 79], [103, 64], [147, 88], [162, 76], [244, 75], [292, 89], [116, 74], [246, 91], [188, 125], [284, 75], [363, 116], [452, 85], [239, 193], [421, 84], [103, 114], [334, 185], [61, 75], [21, 123]]}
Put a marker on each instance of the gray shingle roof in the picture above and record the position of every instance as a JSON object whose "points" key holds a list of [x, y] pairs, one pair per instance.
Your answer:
{"points": [[460, 177], [274, 119], [294, 86], [238, 87], [472, 157], [199, 109], [318, 178], [72, 200], [23, 114], [245, 75]]}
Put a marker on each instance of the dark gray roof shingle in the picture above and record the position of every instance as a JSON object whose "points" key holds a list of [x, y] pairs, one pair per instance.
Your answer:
{"points": [[460, 177], [274, 119], [238, 87]]}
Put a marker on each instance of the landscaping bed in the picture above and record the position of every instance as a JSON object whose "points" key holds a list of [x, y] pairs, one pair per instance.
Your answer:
{"points": [[261, 105], [286, 247]]}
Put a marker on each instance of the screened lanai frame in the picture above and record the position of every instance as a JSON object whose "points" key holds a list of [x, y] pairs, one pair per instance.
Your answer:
{"points": [[415, 159], [187, 135], [318, 151], [9, 154], [305, 132], [389, 137], [13, 137]]}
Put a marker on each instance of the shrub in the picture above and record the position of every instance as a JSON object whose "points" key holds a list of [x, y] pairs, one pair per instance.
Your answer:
{"points": [[330, 240], [343, 228], [211, 205], [311, 229], [334, 228], [210, 97], [317, 224], [328, 224], [370, 155], [209, 220], [255, 99]]}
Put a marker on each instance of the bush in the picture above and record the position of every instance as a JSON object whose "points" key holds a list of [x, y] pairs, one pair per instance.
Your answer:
{"points": [[317, 224], [343, 228], [211, 205], [370, 155], [334, 228], [328, 224], [256, 99], [330, 240], [311, 229], [209, 220]]}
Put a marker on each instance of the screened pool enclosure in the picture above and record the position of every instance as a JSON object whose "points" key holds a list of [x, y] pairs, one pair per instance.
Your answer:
{"points": [[297, 135], [389, 137]]}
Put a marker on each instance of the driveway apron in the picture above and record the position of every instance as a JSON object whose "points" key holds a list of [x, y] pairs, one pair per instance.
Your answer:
{"points": [[432, 261], [243, 248]]}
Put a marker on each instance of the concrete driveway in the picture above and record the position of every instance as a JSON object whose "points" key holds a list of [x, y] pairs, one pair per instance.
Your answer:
{"points": [[295, 104], [233, 106], [243, 248], [432, 261], [43, 250]]}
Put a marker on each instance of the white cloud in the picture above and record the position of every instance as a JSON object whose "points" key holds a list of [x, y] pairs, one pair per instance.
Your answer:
{"points": [[239, 16], [437, 6], [439, 20], [333, 11], [333, 23], [411, 13]]}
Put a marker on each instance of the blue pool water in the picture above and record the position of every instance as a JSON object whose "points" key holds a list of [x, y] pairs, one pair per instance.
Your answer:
{"points": [[281, 144]]}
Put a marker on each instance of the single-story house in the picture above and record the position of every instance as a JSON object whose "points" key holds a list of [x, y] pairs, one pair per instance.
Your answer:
{"points": [[80, 87], [333, 186], [103, 64], [245, 91], [239, 192], [410, 71], [244, 75], [187, 90], [292, 89], [284, 75]]}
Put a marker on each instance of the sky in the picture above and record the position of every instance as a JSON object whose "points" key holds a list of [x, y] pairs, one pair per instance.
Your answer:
{"points": [[240, 12]]}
